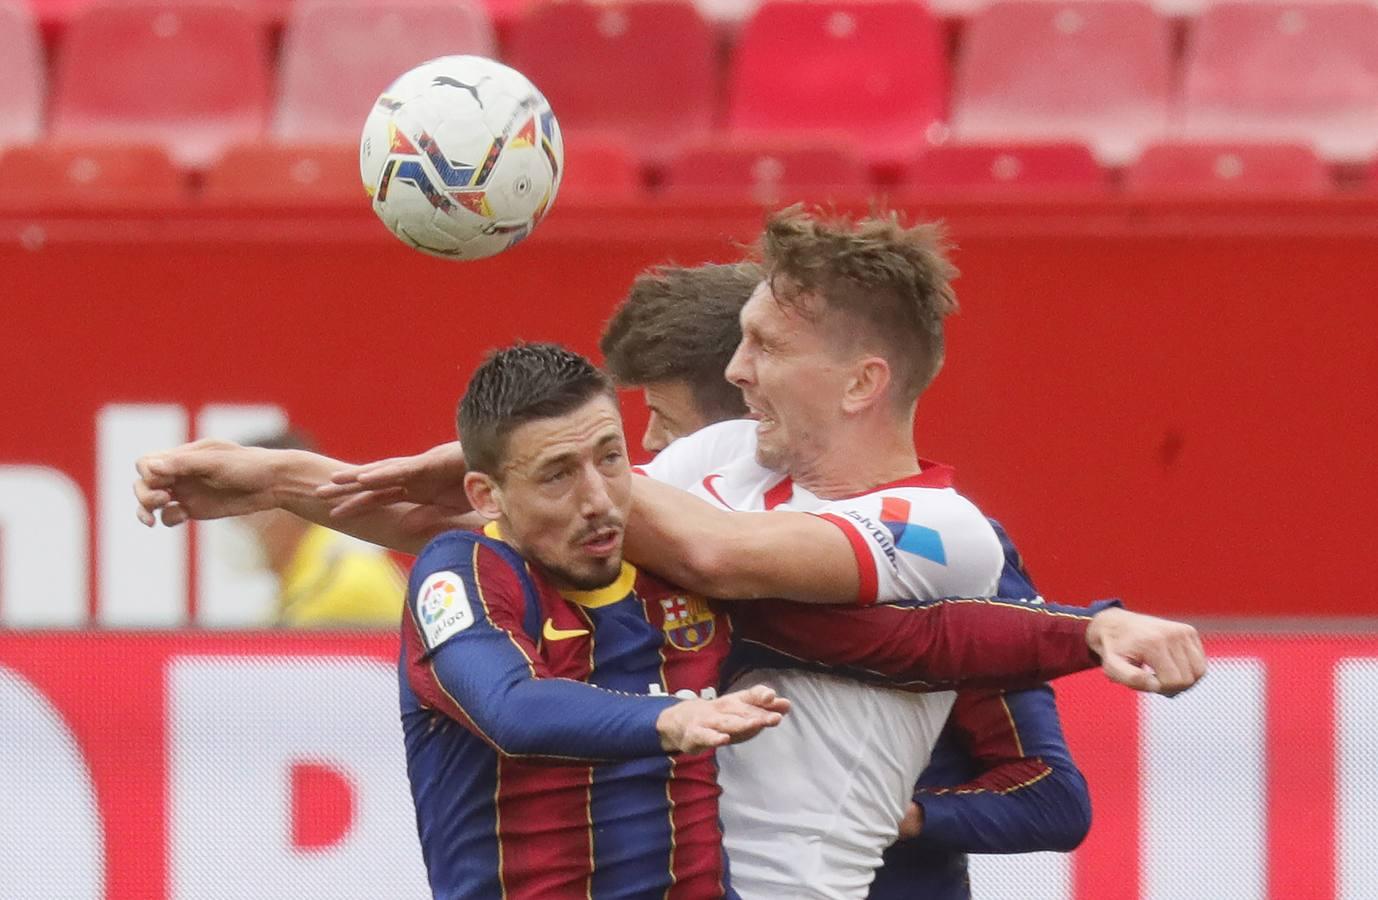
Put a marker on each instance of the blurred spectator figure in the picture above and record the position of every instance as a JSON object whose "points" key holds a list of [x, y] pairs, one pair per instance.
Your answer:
{"points": [[325, 579]]}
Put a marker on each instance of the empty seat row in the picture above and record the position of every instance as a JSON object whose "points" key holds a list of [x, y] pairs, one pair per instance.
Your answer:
{"points": [[275, 176], [194, 75], [54, 14]]}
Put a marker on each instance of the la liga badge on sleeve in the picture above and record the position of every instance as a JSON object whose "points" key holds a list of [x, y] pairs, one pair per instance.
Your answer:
{"points": [[689, 623], [443, 607]]}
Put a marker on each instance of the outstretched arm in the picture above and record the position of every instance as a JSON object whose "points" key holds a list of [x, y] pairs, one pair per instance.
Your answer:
{"points": [[212, 479], [975, 642]]}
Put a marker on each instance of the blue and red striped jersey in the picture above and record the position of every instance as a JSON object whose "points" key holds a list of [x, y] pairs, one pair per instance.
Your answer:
{"points": [[529, 720]]}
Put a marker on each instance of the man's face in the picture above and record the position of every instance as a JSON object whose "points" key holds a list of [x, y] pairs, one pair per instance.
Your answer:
{"points": [[565, 493], [791, 380], [673, 414]]}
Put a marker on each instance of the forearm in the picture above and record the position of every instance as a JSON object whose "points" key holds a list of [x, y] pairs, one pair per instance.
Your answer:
{"points": [[568, 720], [485, 681], [1020, 807], [931, 646], [296, 476], [402, 526], [738, 555]]}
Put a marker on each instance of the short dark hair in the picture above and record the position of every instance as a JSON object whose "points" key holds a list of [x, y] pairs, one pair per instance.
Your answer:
{"points": [[893, 279], [519, 384], [683, 324]]}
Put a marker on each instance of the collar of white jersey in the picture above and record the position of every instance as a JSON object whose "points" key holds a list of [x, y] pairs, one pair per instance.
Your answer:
{"points": [[930, 475]]}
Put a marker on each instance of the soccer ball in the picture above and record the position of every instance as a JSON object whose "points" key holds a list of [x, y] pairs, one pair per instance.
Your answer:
{"points": [[462, 157]]}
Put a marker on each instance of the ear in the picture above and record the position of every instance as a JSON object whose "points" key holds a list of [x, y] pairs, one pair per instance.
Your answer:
{"points": [[484, 493], [868, 385]]}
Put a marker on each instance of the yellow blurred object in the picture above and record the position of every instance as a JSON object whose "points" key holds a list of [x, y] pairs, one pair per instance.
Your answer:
{"points": [[333, 581]]}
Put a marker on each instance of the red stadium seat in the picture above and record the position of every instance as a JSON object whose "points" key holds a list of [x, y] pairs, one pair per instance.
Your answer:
{"points": [[290, 175], [769, 172], [1007, 166], [21, 73], [191, 75], [644, 69], [338, 55], [598, 170], [1095, 71], [75, 176], [1228, 168], [1265, 72], [873, 72]]}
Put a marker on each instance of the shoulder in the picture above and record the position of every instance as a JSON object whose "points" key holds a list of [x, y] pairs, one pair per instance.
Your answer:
{"points": [[460, 578], [468, 557], [934, 541], [941, 509], [689, 458]]}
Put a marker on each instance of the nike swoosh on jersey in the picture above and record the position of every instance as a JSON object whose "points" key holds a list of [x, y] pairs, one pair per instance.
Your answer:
{"points": [[708, 486], [551, 633]]}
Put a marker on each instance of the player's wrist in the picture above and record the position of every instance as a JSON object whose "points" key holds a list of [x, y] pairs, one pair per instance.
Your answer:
{"points": [[293, 476], [671, 725], [1102, 622]]}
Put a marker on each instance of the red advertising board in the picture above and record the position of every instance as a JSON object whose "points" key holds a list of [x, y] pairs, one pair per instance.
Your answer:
{"points": [[181, 765], [1169, 403]]}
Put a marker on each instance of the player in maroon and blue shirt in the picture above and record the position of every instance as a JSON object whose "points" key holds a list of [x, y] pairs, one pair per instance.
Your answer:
{"points": [[531, 676], [1001, 780]]}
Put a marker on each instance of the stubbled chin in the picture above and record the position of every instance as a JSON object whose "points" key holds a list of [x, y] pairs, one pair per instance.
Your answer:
{"points": [[769, 452]]}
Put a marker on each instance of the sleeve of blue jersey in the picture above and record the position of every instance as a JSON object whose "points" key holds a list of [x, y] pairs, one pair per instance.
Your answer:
{"points": [[1052, 811], [495, 678], [1049, 811]]}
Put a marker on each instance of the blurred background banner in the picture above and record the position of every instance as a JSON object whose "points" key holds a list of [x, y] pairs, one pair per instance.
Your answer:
{"points": [[186, 765], [1173, 404]]}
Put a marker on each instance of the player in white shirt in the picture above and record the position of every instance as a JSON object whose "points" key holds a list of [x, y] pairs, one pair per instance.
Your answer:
{"points": [[819, 806], [836, 782], [837, 345]]}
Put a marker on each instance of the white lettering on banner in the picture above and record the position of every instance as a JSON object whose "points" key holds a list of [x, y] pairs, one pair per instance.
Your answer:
{"points": [[45, 552], [1203, 756], [230, 595], [142, 572], [236, 729], [1356, 778], [1047, 876], [44, 544], [50, 833], [708, 693]]}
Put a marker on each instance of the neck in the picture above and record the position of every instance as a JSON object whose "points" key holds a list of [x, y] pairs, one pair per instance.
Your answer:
{"points": [[841, 471]]}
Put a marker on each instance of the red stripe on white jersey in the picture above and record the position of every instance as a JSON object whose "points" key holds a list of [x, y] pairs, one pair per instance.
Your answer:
{"points": [[867, 576]]}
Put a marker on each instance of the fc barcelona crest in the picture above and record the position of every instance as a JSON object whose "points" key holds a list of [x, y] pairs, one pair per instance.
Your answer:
{"points": [[688, 622]]}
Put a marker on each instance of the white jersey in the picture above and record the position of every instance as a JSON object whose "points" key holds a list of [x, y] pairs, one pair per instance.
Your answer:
{"points": [[809, 807]]}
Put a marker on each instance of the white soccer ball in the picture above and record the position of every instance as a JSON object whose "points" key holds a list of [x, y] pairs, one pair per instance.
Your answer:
{"points": [[462, 157]]}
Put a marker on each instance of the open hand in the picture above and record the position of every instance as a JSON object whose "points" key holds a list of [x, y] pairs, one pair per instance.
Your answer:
{"points": [[692, 726], [434, 479]]}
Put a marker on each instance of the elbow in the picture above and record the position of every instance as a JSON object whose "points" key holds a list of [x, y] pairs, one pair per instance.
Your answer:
{"points": [[510, 740], [1076, 821]]}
